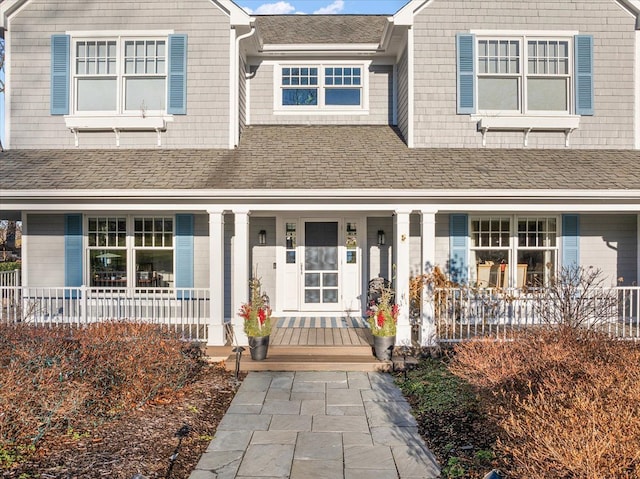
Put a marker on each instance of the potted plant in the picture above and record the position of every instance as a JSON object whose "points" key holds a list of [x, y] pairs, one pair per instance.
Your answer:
{"points": [[257, 320], [383, 320]]}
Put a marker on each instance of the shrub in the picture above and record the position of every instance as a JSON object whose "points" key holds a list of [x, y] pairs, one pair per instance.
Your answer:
{"points": [[10, 266], [59, 378], [566, 401]]}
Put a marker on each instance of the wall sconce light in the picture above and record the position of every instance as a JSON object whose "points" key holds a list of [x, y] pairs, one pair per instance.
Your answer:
{"points": [[262, 237], [381, 238]]}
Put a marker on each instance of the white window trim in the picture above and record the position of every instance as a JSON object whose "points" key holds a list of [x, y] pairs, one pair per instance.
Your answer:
{"points": [[119, 74], [130, 247], [524, 120], [513, 247], [321, 108]]}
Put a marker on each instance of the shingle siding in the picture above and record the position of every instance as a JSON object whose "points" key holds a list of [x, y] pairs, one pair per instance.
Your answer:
{"points": [[207, 119], [436, 123], [609, 243], [45, 250]]}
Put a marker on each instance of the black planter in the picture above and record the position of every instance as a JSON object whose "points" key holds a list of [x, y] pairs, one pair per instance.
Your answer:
{"points": [[383, 347], [258, 347]]}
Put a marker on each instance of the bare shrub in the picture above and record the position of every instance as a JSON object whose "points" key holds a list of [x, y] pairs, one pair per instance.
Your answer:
{"points": [[576, 297], [567, 402], [59, 379]]}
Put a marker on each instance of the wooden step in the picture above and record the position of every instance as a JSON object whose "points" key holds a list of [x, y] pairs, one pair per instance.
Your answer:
{"points": [[305, 362]]}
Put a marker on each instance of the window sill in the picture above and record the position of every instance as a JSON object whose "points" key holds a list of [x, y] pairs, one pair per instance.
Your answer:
{"points": [[320, 112], [526, 124], [116, 124]]}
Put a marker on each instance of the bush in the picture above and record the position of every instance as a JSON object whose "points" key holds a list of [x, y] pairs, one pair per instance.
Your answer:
{"points": [[10, 266], [566, 401], [60, 379]]}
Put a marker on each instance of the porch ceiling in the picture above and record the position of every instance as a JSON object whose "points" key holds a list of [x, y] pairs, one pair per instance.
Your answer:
{"points": [[321, 158]]}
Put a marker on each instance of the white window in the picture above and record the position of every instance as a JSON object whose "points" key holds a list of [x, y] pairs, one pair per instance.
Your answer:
{"points": [[130, 251], [321, 87], [120, 76], [524, 75], [503, 255]]}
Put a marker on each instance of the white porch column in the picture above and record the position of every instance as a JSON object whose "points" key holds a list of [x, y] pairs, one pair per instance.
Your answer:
{"points": [[240, 291], [428, 237], [401, 274], [216, 279]]}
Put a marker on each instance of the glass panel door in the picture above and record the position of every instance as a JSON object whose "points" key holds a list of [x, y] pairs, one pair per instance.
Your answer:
{"points": [[320, 274]]}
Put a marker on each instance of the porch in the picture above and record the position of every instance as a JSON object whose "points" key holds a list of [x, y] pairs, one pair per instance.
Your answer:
{"points": [[445, 314]]}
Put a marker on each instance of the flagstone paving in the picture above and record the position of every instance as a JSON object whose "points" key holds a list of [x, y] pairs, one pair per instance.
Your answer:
{"points": [[307, 425]]}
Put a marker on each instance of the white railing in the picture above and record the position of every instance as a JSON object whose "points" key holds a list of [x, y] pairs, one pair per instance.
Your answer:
{"points": [[185, 311], [9, 278], [463, 313]]}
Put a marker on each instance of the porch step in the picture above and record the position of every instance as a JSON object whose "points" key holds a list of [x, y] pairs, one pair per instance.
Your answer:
{"points": [[311, 358]]}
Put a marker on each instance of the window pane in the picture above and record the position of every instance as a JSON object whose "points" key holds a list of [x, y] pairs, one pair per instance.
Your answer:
{"points": [[498, 93], [342, 96], [97, 94], [536, 266], [548, 94], [108, 268], [491, 268], [300, 96], [154, 268], [150, 92]]}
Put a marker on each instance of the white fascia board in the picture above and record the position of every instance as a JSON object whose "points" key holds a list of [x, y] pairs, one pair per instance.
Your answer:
{"points": [[631, 6], [8, 8], [320, 47], [405, 15], [237, 16], [326, 194]]}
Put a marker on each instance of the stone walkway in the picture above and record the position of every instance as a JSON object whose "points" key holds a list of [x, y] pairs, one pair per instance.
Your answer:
{"points": [[307, 425]]}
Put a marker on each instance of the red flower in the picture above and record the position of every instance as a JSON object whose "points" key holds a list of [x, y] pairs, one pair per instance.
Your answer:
{"points": [[380, 319], [262, 316], [394, 312]]}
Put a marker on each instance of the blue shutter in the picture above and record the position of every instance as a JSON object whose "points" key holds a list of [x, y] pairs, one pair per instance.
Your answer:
{"points": [[466, 48], [570, 241], [584, 74], [184, 252], [60, 45], [458, 248], [72, 251], [177, 80]]}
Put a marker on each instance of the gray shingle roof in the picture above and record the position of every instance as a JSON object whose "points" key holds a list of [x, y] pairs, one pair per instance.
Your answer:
{"points": [[290, 29], [321, 157]]}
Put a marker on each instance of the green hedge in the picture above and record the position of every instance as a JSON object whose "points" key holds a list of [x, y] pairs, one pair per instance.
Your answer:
{"points": [[10, 266]]}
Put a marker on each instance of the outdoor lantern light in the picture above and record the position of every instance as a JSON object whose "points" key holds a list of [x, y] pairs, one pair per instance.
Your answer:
{"points": [[262, 237], [381, 238]]}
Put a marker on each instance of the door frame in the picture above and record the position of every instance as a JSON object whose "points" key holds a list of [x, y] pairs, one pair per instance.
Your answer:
{"points": [[350, 276]]}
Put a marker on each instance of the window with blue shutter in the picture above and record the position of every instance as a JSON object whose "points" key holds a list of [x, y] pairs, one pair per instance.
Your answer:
{"points": [[184, 252], [459, 247], [177, 88], [60, 52], [73, 251], [466, 85], [584, 74], [570, 241]]}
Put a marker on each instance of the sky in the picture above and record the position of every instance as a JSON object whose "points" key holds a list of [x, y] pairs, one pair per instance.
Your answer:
{"points": [[267, 7]]}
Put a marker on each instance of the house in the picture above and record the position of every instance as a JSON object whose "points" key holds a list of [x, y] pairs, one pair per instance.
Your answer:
{"points": [[179, 148]]}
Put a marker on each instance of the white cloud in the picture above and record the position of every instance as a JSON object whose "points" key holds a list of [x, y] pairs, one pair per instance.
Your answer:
{"points": [[336, 7], [278, 8]]}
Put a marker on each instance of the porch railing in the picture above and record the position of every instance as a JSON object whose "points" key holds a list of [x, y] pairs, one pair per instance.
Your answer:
{"points": [[185, 311], [9, 278], [463, 313]]}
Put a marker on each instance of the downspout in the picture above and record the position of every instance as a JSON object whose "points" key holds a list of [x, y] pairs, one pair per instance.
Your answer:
{"points": [[236, 83]]}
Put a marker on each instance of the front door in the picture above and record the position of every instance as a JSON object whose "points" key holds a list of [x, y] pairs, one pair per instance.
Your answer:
{"points": [[320, 266]]}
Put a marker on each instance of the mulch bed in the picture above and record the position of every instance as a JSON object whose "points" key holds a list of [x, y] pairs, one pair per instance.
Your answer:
{"points": [[142, 441]]}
